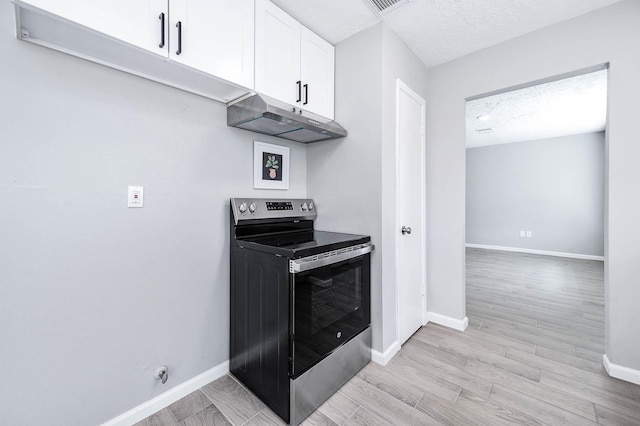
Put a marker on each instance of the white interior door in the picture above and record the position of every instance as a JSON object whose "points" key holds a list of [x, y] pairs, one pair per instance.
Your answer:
{"points": [[410, 211]]}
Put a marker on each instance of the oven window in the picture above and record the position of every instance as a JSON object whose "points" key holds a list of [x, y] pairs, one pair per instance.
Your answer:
{"points": [[331, 305], [332, 297]]}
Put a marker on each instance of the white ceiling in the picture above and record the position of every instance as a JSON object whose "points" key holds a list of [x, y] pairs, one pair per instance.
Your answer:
{"points": [[560, 108], [439, 30]]}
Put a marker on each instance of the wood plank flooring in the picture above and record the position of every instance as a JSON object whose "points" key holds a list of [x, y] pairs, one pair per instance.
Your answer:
{"points": [[532, 355]]}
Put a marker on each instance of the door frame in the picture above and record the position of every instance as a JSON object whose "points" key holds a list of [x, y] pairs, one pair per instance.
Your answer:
{"points": [[402, 87]]}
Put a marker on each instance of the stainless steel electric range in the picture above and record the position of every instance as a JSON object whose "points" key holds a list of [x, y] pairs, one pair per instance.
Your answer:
{"points": [[300, 304]]}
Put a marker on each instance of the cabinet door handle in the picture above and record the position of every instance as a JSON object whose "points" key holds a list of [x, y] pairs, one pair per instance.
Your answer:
{"points": [[299, 84], [179, 27], [161, 18], [306, 94]]}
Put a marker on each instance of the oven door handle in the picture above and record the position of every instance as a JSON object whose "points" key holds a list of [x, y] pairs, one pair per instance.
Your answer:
{"points": [[329, 258]]}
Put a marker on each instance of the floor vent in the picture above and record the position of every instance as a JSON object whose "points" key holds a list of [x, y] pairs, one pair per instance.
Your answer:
{"points": [[384, 7]]}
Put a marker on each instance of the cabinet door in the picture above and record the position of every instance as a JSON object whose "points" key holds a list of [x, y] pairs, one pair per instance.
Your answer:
{"points": [[277, 53], [216, 37], [317, 73], [139, 22]]}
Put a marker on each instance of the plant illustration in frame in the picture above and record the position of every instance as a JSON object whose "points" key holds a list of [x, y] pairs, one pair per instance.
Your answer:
{"points": [[270, 166], [272, 169]]}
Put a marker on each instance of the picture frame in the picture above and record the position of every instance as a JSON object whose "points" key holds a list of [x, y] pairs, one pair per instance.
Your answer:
{"points": [[270, 166]]}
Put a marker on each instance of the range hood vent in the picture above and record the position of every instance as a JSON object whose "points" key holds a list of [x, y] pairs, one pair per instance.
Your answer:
{"points": [[384, 7], [262, 114]]}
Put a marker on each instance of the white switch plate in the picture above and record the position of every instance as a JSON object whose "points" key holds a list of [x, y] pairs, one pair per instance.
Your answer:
{"points": [[135, 196], [522, 233], [529, 234]]}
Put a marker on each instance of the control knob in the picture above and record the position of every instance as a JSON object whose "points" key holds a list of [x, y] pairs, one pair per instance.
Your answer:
{"points": [[304, 207], [252, 207], [310, 206], [242, 207]]}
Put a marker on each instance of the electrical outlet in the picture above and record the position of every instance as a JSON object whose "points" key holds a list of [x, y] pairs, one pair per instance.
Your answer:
{"points": [[522, 233], [529, 234], [135, 196]]}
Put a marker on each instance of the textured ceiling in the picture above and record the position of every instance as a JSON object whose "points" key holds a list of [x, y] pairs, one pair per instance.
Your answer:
{"points": [[564, 107], [439, 30]]}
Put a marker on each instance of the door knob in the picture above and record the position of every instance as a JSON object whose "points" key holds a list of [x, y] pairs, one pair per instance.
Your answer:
{"points": [[406, 230]]}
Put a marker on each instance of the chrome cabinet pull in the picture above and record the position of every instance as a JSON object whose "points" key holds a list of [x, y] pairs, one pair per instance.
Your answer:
{"points": [[306, 94], [406, 230]]}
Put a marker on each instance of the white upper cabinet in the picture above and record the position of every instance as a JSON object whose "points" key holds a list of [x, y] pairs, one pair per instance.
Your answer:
{"points": [[292, 63], [317, 73], [214, 36], [142, 23], [277, 53]]}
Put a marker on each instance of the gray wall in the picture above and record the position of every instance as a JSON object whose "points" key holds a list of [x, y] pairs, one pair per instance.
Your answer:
{"points": [[347, 177], [606, 35], [344, 174], [552, 187], [94, 296]]}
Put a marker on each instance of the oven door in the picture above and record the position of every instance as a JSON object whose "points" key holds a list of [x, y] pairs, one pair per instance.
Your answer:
{"points": [[331, 303]]}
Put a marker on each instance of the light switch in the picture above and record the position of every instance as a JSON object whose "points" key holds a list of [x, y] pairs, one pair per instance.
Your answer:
{"points": [[135, 196], [522, 233], [529, 234]]}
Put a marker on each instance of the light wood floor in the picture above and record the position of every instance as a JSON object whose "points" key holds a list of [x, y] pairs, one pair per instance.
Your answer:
{"points": [[532, 355]]}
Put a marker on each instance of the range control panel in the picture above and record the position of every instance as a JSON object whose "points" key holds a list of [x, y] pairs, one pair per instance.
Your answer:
{"points": [[279, 205], [267, 208]]}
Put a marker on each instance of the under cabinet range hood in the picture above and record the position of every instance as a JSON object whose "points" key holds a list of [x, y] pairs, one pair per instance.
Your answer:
{"points": [[266, 115]]}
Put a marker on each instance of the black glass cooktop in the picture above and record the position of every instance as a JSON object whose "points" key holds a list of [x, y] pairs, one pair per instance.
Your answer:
{"points": [[302, 244]]}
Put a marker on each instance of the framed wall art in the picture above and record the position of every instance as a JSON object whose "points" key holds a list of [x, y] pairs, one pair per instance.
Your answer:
{"points": [[270, 166]]}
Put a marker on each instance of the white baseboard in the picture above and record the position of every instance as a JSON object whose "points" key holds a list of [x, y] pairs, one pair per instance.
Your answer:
{"points": [[161, 401], [532, 251], [383, 358], [619, 372], [456, 324]]}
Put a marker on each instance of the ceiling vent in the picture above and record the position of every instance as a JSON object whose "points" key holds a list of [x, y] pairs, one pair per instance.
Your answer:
{"points": [[385, 7]]}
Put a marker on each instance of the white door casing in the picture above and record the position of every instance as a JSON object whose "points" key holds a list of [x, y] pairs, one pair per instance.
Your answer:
{"points": [[410, 211]]}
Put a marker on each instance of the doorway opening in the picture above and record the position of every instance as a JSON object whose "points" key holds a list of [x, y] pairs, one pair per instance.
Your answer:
{"points": [[535, 214]]}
